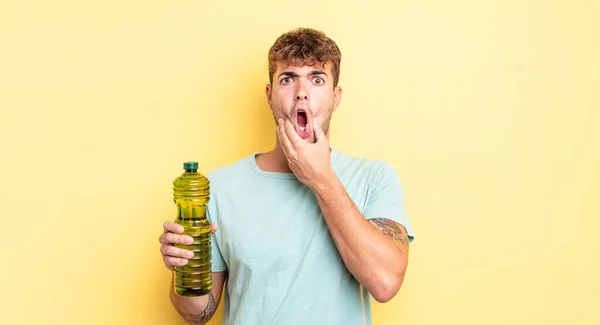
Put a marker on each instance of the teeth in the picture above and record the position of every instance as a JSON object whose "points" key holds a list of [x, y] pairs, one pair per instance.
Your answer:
{"points": [[303, 128]]}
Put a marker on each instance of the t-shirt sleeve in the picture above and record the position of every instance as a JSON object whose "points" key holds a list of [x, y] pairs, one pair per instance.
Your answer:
{"points": [[386, 198], [217, 261]]}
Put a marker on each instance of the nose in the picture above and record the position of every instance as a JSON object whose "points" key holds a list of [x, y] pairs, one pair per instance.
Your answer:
{"points": [[301, 91]]}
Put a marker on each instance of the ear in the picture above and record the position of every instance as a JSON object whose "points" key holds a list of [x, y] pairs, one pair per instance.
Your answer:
{"points": [[337, 97], [268, 93]]}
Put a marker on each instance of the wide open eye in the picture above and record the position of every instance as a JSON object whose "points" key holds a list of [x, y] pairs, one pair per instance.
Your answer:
{"points": [[318, 80]]}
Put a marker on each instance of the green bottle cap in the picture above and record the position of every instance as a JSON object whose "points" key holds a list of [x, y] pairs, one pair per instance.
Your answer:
{"points": [[190, 165]]}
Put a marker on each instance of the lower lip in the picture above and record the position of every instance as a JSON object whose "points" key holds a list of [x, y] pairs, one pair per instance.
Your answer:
{"points": [[304, 134]]}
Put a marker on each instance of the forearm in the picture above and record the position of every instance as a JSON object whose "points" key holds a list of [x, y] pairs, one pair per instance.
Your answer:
{"points": [[374, 259], [194, 310]]}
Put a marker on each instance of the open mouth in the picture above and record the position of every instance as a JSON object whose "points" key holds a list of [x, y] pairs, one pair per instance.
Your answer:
{"points": [[302, 127]]}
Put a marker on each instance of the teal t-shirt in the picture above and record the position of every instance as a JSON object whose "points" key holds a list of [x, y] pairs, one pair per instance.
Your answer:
{"points": [[283, 265]]}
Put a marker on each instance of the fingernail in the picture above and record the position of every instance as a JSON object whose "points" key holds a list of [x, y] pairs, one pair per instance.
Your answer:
{"points": [[190, 240], [189, 254]]}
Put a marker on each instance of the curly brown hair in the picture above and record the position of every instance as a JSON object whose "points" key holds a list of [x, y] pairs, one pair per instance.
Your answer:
{"points": [[305, 46]]}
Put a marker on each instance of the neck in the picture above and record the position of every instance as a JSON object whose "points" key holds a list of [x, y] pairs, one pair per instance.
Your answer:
{"points": [[273, 161]]}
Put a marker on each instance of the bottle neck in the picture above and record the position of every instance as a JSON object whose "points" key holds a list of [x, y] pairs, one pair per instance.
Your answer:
{"points": [[191, 170]]}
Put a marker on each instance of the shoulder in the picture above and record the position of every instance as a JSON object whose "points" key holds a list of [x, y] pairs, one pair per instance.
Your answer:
{"points": [[230, 173], [374, 168]]}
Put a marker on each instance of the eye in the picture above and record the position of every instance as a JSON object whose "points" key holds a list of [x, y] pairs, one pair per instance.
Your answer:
{"points": [[286, 80], [318, 81]]}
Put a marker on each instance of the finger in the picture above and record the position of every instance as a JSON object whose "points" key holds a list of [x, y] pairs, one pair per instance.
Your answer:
{"points": [[168, 250], [171, 238], [174, 261], [284, 140], [170, 226], [214, 227], [319, 134], [293, 137]]}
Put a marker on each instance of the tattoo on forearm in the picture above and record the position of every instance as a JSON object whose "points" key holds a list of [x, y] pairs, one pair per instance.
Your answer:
{"points": [[204, 315], [392, 229]]}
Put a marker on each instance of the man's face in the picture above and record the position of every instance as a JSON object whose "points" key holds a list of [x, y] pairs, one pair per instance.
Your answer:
{"points": [[301, 93]]}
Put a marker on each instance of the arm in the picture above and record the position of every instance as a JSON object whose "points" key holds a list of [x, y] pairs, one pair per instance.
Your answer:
{"points": [[199, 310], [194, 310], [374, 251]]}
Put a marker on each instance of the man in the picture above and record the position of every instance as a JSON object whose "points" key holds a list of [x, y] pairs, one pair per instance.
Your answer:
{"points": [[307, 234]]}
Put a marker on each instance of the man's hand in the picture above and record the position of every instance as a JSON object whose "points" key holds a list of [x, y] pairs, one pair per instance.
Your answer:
{"points": [[172, 234], [310, 162]]}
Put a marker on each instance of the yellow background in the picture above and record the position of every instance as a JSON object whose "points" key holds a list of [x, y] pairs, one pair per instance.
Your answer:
{"points": [[488, 110]]}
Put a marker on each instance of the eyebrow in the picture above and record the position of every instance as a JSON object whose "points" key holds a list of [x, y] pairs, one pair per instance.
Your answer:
{"points": [[311, 73]]}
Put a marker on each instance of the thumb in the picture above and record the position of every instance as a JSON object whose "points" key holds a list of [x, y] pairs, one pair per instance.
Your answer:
{"points": [[319, 134]]}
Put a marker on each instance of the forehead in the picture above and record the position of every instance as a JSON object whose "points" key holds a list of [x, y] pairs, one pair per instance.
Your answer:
{"points": [[303, 68]]}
